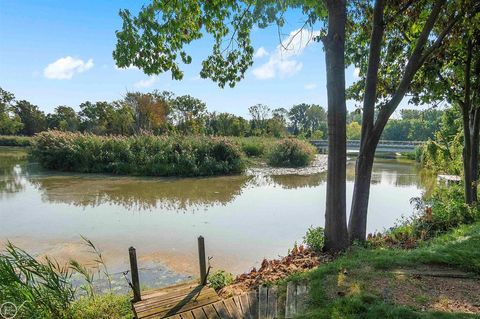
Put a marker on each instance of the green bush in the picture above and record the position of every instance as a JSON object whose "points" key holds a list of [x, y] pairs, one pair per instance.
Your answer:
{"points": [[220, 279], [144, 155], [254, 146], [11, 140], [291, 153], [315, 238], [102, 307]]}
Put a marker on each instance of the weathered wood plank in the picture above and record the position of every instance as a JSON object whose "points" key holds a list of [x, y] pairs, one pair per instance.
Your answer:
{"points": [[253, 304], [232, 309], [271, 303], [178, 307], [192, 296], [210, 312], [302, 294], [262, 302], [244, 303], [221, 310], [199, 313], [187, 315], [290, 307]]}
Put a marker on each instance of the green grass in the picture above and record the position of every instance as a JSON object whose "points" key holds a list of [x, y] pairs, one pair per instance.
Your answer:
{"points": [[457, 249]]}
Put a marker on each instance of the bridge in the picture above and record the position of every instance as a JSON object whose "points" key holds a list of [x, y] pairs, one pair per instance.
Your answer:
{"points": [[384, 146]]}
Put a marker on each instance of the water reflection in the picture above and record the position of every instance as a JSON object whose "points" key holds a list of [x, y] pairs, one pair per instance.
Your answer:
{"points": [[12, 167], [142, 194], [138, 194]]}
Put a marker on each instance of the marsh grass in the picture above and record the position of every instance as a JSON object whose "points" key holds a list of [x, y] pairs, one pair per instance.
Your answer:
{"points": [[144, 155], [44, 289]]}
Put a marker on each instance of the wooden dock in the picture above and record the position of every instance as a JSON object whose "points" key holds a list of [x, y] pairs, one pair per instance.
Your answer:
{"points": [[192, 301], [195, 300]]}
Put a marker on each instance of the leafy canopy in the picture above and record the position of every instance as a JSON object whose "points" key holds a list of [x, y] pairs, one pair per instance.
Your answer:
{"points": [[156, 39]]}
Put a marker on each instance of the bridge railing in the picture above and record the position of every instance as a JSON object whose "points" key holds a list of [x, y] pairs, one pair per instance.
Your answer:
{"points": [[380, 143]]}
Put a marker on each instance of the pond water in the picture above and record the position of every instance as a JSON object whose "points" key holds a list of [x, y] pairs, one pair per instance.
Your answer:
{"points": [[243, 218]]}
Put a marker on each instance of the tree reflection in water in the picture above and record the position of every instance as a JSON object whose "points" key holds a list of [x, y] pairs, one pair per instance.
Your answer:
{"points": [[12, 164], [176, 194]]}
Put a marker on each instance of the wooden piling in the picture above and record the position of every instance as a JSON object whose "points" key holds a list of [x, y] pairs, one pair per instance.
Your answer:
{"points": [[134, 272], [202, 260]]}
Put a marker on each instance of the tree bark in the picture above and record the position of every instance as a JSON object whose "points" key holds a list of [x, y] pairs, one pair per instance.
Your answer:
{"points": [[372, 129], [357, 224], [470, 119], [336, 234]]}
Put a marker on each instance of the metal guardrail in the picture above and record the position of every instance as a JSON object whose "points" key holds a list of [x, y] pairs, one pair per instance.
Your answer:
{"points": [[381, 142]]}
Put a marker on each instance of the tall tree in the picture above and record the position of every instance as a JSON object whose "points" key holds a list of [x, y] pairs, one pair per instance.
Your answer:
{"points": [[455, 78], [259, 113], [10, 123], [151, 111], [401, 40], [64, 118], [156, 39], [336, 234], [189, 114], [33, 119]]}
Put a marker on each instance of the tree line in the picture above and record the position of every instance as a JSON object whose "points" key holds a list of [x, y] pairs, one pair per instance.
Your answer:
{"points": [[164, 113]]}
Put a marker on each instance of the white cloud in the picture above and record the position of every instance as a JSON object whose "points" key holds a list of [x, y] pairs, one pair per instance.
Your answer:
{"points": [[282, 62], [65, 68], [310, 86], [261, 52], [146, 83]]}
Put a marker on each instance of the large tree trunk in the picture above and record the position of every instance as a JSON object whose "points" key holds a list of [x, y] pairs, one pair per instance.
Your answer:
{"points": [[372, 129], [470, 119], [357, 225], [336, 234]]}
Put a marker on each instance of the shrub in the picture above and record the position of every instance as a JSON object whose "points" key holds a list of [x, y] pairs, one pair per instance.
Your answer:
{"points": [[315, 238], [145, 155], [442, 212], [102, 307], [291, 153], [220, 279], [253, 148], [6, 140]]}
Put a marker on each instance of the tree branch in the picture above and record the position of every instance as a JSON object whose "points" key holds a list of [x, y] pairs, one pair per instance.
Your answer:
{"points": [[412, 67], [371, 79]]}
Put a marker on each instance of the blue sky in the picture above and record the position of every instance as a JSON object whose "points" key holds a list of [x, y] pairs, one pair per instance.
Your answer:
{"points": [[60, 53]]}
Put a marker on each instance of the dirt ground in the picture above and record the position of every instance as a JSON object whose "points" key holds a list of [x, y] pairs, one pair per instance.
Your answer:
{"points": [[428, 288]]}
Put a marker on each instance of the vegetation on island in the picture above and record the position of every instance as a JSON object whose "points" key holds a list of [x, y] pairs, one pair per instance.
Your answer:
{"points": [[146, 155], [165, 155]]}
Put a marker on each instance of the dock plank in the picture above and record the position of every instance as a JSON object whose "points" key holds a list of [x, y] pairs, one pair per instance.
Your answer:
{"points": [[221, 310], [210, 312]]}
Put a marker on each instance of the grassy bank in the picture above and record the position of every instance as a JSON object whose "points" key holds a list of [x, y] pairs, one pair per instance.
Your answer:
{"points": [[394, 275], [148, 155], [367, 282], [11, 140]]}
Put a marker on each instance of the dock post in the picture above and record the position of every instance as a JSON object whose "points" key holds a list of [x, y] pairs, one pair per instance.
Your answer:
{"points": [[134, 271], [202, 260]]}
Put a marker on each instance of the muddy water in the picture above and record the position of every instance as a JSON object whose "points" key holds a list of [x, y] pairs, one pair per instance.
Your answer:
{"points": [[243, 218]]}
